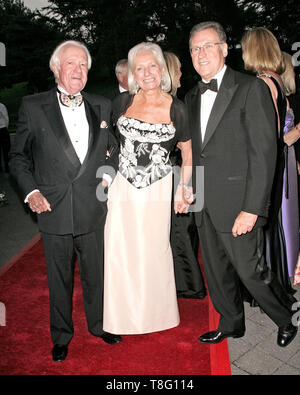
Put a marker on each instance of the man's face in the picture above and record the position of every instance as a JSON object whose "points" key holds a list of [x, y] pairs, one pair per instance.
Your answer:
{"points": [[208, 62], [72, 74], [123, 79]]}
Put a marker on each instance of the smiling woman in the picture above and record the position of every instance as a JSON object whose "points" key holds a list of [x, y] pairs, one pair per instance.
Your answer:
{"points": [[139, 285]]}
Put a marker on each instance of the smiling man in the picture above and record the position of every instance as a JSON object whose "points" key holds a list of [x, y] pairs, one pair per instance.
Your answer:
{"points": [[233, 128], [61, 141]]}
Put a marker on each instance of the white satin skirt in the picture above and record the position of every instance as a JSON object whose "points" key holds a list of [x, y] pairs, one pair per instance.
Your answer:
{"points": [[139, 283]]}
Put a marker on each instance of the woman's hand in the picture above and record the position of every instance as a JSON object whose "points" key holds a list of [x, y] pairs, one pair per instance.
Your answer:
{"points": [[183, 198], [292, 136]]}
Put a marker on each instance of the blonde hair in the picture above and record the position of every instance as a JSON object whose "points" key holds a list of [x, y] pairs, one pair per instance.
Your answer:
{"points": [[261, 51], [158, 54], [173, 65], [288, 77]]}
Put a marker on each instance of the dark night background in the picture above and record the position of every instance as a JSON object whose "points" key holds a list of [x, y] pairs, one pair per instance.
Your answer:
{"points": [[111, 27]]}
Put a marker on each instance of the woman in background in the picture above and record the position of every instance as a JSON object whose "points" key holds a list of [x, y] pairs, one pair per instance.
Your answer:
{"points": [[290, 199], [184, 235], [262, 55]]}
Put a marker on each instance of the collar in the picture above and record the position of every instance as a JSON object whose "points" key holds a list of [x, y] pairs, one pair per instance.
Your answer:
{"points": [[121, 89], [219, 76], [64, 91]]}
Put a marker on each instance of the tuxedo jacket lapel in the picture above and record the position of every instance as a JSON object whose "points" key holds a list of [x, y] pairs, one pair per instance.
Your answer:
{"points": [[195, 113], [54, 116], [223, 99]]}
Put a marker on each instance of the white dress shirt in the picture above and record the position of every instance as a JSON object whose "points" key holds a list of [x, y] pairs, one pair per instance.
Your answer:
{"points": [[77, 126], [207, 101], [121, 89]]}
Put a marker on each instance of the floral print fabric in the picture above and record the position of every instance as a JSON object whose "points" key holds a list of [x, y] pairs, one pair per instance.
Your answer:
{"points": [[144, 150]]}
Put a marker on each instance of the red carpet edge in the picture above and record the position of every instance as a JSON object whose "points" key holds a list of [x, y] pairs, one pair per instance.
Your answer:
{"points": [[219, 354]]}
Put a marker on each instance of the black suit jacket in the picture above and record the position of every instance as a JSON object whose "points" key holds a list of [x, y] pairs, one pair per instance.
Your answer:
{"points": [[43, 157], [239, 149], [113, 94]]}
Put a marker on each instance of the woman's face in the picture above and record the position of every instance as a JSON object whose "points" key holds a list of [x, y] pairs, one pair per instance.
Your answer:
{"points": [[147, 72]]}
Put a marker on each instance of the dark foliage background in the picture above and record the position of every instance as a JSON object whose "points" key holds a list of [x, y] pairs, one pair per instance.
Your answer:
{"points": [[111, 27]]}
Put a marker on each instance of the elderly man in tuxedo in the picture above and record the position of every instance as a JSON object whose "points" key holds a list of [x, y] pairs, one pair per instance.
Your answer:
{"points": [[62, 141], [233, 128]]}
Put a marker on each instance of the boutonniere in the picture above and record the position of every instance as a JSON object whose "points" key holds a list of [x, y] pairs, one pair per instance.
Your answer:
{"points": [[103, 125]]}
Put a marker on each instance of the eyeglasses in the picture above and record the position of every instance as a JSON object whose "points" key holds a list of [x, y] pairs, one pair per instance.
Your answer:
{"points": [[209, 47]]}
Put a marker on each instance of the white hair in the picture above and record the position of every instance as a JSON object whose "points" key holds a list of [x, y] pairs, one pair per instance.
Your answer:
{"points": [[55, 57], [121, 67], [158, 54]]}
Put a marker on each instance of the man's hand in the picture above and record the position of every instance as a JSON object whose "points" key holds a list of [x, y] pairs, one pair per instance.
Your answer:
{"points": [[244, 223], [38, 203]]}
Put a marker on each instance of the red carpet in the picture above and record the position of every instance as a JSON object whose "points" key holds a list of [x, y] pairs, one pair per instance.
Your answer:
{"points": [[25, 344]]}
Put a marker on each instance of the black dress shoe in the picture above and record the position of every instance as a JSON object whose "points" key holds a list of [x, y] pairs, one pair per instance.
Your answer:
{"points": [[286, 335], [59, 352], [217, 336], [109, 338]]}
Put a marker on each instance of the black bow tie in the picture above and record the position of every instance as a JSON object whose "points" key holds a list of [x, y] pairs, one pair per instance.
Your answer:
{"points": [[212, 85], [69, 100]]}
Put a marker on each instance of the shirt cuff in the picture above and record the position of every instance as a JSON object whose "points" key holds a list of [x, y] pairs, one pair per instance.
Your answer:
{"points": [[107, 178], [29, 194]]}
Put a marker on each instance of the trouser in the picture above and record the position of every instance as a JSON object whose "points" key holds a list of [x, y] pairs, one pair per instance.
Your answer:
{"points": [[4, 147], [228, 261], [60, 252]]}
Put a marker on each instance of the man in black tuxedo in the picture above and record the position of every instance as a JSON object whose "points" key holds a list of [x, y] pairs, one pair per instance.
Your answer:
{"points": [[62, 141], [233, 128]]}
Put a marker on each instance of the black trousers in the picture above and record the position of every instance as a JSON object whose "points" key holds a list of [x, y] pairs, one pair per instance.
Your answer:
{"points": [[60, 252], [4, 147], [230, 261]]}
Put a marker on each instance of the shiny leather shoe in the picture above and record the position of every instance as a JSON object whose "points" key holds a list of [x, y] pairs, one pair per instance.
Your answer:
{"points": [[286, 335], [109, 338], [217, 336], [59, 352]]}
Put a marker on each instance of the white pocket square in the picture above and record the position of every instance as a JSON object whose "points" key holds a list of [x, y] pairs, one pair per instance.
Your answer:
{"points": [[103, 125]]}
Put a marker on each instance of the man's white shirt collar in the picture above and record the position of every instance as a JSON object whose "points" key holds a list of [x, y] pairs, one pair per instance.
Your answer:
{"points": [[207, 101], [219, 76], [121, 89], [64, 91]]}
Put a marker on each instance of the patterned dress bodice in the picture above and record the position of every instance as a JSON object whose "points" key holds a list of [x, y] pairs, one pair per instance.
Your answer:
{"points": [[144, 150]]}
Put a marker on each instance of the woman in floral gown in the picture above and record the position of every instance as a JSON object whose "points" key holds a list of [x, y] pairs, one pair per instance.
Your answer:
{"points": [[139, 285]]}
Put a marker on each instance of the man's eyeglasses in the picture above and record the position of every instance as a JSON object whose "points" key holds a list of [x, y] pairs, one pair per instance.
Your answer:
{"points": [[209, 47]]}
